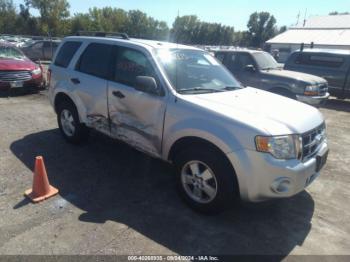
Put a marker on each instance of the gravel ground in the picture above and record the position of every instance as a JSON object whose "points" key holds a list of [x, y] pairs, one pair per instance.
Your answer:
{"points": [[115, 200]]}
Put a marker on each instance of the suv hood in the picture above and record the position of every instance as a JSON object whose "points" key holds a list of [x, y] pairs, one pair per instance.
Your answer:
{"points": [[17, 64], [269, 113], [296, 76]]}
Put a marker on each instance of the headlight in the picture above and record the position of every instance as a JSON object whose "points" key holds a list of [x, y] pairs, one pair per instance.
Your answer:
{"points": [[36, 71], [312, 90], [281, 147]]}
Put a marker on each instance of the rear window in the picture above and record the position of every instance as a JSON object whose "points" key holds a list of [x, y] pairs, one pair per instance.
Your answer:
{"points": [[66, 53], [96, 60], [319, 60]]}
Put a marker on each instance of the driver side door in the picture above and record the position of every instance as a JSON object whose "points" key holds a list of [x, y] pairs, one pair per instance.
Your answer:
{"points": [[136, 116]]}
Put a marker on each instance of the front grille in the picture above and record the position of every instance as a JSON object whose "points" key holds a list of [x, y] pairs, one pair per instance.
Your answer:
{"points": [[12, 76], [312, 141], [323, 89]]}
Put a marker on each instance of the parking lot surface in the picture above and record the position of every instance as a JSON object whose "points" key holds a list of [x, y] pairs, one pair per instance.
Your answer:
{"points": [[115, 200]]}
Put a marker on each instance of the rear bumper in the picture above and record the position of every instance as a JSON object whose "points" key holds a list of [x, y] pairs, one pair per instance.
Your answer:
{"points": [[259, 174], [313, 100]]}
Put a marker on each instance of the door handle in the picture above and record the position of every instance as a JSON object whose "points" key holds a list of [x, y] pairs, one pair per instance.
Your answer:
{"points": [[118, 94], [75, 81]]}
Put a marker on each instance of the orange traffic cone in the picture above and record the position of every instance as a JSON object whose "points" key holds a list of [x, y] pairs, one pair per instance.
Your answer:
{"points": [[41, 188]]}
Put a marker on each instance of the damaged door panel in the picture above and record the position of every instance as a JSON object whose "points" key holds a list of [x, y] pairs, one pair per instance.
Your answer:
{"points": [[90, 83], [136, 116]]}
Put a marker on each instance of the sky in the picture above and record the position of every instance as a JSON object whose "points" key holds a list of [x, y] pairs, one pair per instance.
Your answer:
{"points": [[228, 12]]}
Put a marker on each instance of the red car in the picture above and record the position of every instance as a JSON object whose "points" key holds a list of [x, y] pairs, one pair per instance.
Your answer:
{"points": [[18, 71]]}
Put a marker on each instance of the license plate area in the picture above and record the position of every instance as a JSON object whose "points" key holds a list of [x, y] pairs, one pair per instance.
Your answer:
{"points": [[16, 84], [321, 160]]}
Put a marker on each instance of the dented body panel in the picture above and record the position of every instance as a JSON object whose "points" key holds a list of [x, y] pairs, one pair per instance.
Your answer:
{"points": [[154, 123], [137, 118]]}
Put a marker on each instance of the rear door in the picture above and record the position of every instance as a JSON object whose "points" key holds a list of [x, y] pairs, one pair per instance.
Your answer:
{"points": [[136, 117], [88, 82]]}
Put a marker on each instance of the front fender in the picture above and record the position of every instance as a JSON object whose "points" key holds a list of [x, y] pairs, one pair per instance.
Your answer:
{"points": [[210, 131]]}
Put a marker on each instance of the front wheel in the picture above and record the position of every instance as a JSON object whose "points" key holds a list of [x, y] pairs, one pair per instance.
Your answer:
{"points": [[205, 180], [68, 121]]}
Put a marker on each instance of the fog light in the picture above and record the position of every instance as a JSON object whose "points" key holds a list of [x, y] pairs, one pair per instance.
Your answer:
{"points": [[282, 185]]}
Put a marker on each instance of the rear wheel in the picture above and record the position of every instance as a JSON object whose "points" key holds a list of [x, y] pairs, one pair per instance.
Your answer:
{"points": [[68, 121], [205, 180]]}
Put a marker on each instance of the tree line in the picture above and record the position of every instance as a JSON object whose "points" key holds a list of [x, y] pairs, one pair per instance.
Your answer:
{"points": [[55, 19]]}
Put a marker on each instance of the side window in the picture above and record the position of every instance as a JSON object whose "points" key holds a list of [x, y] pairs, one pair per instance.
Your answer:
{"points": [[244, 60], [131, 63], [220, 57], [47, 44], [96, 60], [38, 46], [327, 61], [319, 60], [66, 53], [301, 59], [233, 62]]}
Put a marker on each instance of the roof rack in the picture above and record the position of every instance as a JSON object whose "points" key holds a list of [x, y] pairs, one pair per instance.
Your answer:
{"points": [[103, 34]]}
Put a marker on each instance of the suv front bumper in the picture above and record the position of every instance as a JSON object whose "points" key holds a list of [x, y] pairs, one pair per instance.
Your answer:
{"points": [[259, 174], [313, 100]]}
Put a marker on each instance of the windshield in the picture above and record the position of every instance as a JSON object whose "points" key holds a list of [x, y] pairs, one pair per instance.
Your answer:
{"points": [[192, 71], [28, 43], [265, 61], [10, 52]]}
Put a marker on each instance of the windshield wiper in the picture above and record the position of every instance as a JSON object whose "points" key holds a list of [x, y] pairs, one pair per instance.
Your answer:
{"points": [[199, 89], [231, 88], [269, 68]]}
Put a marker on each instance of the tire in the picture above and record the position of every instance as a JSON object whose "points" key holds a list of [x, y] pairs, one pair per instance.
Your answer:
{"points": [[79, 133], [224, 178]]}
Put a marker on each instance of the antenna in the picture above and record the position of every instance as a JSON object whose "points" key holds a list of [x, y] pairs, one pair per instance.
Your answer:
{"points": [[298, 17], [177, 49], [305, 18]]}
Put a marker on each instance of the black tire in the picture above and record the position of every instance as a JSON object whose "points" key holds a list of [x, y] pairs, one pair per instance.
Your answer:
{"points": [[227, 188], [81, 132]]}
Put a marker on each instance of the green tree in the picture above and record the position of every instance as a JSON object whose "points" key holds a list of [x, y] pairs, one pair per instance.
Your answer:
{"points": [[8, 16], [53, 15], [185, 28], [190, 30], [25, 23], [261, 27], [338, 13], [282, 29], [241, 38]]}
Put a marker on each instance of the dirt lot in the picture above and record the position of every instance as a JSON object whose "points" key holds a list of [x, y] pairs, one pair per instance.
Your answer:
{"points": [[115, 200]]}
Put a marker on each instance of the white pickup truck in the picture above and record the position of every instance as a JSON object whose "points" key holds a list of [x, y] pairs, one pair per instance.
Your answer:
{"points": [[180, 104]]}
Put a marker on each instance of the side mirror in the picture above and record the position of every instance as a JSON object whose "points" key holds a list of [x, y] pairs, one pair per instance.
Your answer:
{"points": [[250, 68], [147, 84]]}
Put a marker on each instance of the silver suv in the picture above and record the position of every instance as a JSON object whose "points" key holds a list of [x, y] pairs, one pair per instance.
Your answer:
{"points": [[180, 104]]}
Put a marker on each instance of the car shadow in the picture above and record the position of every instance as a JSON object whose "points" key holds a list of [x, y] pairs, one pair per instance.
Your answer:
{"points": [[110, 181], [337, 104], [18, 92]]}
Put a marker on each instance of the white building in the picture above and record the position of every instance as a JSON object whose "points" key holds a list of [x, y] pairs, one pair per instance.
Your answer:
{"points": [[331, 32]]}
